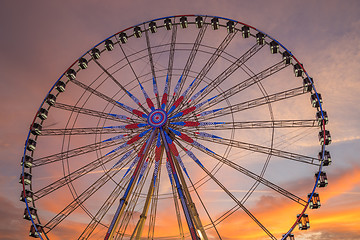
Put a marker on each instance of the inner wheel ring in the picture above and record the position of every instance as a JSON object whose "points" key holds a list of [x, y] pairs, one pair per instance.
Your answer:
{"points": [[157, 118]]}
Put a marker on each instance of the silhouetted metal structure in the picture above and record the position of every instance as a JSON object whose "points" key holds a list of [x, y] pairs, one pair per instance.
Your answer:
{"points": [[143, 116]]}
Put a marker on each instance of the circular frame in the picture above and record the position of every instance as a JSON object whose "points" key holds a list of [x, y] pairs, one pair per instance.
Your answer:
{"points": [[70, 74]]}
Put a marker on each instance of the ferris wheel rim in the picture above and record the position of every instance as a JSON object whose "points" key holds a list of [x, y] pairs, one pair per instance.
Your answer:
{"points": [[177, 16]]}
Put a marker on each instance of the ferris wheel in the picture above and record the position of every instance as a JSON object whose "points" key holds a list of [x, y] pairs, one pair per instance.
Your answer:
{"points": [[177, 128]]}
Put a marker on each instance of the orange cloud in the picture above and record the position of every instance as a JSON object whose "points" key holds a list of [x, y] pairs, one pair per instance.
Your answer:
{"points": [[71, 230], [341, 185], [342, 218], [336, 216]]}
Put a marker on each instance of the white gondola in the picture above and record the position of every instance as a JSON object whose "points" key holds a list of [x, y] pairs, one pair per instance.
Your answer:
{"points": [[123, 37], [152, 27], [183, 22], [42, 114], [323, 181], [31, 145], [95, 53], [298, 70], [28, 195], [33, 233], [230, 25], [71, 74], [307, 83], [51, 99], [168, 24], [27, 161], [36, 129], [327, 158], [303, 222], [199, 22], [286, 57], [27, 178], [274, 47], [324, 137], [315, 102], [137, 32], [319, 118], [60, 86], [260, 38], [32, 213], [245, 31], [215, 23], [314, 201], [109, 45], [83, 63]]}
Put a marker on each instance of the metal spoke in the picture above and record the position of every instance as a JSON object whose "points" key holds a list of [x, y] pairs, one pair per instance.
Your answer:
{"points": [[117, 82], [76, 174], [238, 202], [242, 85], [190, 60], [250, 174], [100, 182], [171, 56], [103, 210], [90, 112], [248, 125], [136, 77], [85, 131], [101, 95], [260, 149], [151, 60], [210, 63], [230, 70], [77, 151], [251, 103]]}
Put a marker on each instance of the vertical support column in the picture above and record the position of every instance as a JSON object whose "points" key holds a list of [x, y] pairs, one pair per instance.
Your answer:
{"points": [[124, 200], [140, 224], [179, 187], [177, 210], [192, 206]]}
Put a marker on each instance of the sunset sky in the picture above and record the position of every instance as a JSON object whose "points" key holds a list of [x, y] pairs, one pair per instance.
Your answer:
{"points": [[41, 39]]}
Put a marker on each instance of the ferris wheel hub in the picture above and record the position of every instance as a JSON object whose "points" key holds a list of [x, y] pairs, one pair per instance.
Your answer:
{"points": [[157, 118]]}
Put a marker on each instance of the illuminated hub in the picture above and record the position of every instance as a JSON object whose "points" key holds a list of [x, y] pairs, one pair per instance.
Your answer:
{"points": [[157, 118]]}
